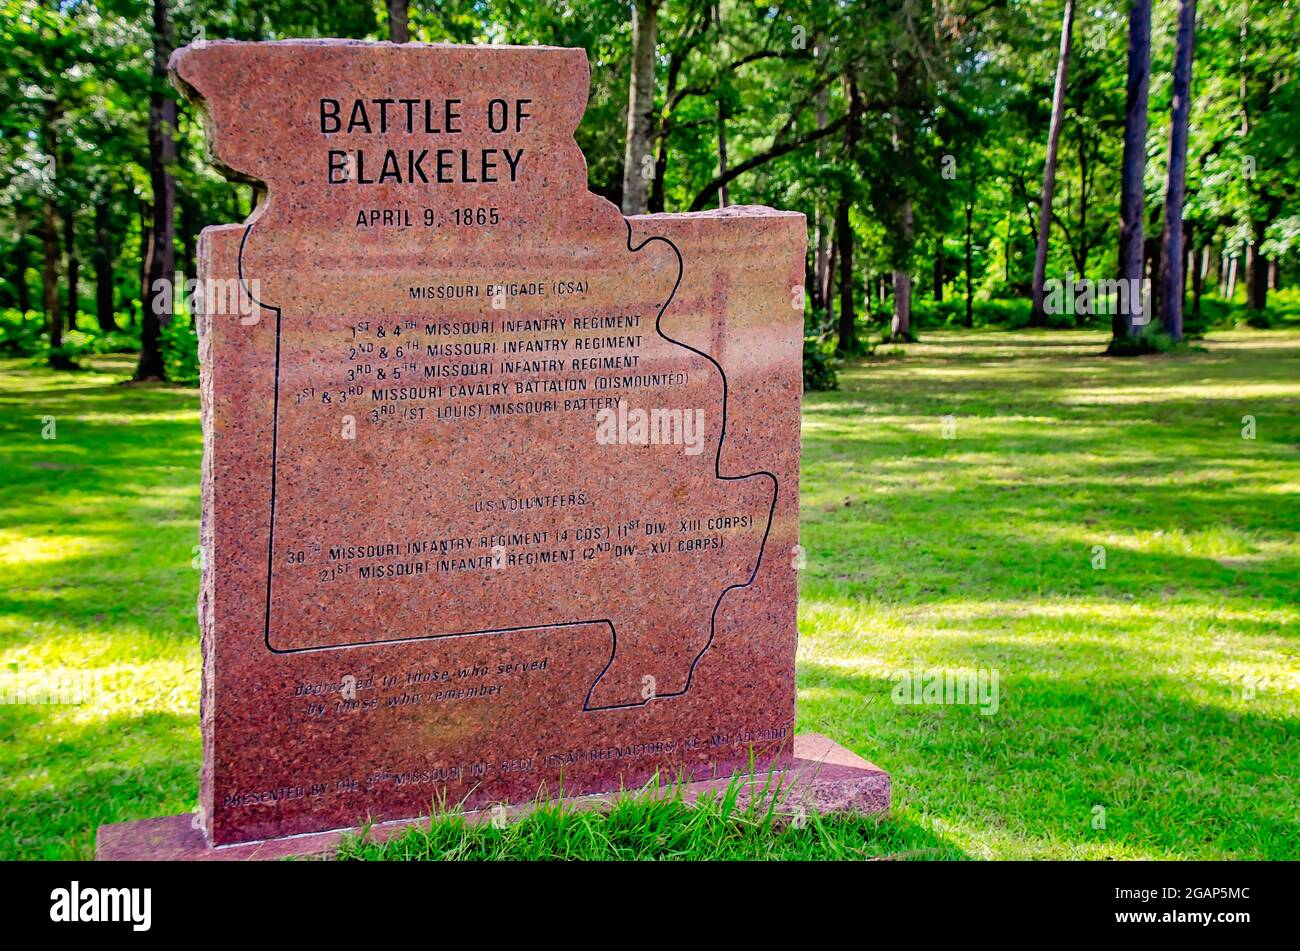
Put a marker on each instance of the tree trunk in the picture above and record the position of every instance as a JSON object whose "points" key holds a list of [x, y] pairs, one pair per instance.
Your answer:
{"points": [[1257, 279], [1151, 253], [844, 229], [1081, 255], [828, 291], [1172, 250], [162, 157], [724, 191], [844, 244], [146, 252], [1006, 248], [1049, 168], [50, 267], [938, 270], [52, 253], [900, 327], [74, 265], [105, 265], [1200, 260], [640, 105], [821, 260], [970, 292], [398, 30], [22, 261], [656, 199], [1133, 171], [822, 266]]}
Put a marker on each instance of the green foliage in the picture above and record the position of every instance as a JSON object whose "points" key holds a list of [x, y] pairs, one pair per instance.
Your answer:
{"points": [[29, 337], [22, 335], [180, 348], [1006, 314], [1283, 311], [951, 128], [820, 365]]}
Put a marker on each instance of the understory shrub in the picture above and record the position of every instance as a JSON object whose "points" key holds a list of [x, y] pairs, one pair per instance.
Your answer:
{"points": [[820, 366]]}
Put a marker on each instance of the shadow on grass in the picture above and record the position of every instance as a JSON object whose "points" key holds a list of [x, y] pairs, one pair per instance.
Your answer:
{"points": [[67, 782], [1171, 776]]}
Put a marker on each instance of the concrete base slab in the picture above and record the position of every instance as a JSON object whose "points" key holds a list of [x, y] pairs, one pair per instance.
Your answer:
{"points": [[825, 777]]}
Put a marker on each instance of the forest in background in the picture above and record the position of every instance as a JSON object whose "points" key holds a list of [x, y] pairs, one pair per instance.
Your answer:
{"points": [[960, 162]]}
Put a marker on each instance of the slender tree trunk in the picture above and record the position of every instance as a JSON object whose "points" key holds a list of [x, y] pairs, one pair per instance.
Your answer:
{"points": [[190, 215], [820, 258], [656, 199], [844, 229], [900, 327], [1172, 250], [640, 104], [162, 158], [398, 31], [50, 267], [1081, 257], [1230, 288], [22, 261], [74, 265], [844, 244], [1133, 171], [938, 270], [828, 292], [822, 266], [1156, 283], [1049, 168], [146, 254], [1006, 248], [105, 265], [1257, 279], [1275, 276], [52, 253], [1200, 259], [724, 191], [970, 265]]}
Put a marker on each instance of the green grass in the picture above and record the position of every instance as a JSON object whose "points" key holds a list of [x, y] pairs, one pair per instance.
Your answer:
{"points": [[1127, 688], [656, 824]]}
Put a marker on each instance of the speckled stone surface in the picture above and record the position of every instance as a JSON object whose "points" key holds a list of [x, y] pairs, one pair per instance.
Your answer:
{"points": [[823, 777], [439, 563]]}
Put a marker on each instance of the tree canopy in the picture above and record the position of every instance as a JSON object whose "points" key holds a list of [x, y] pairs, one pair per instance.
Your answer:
{"points": [[912, 134]]}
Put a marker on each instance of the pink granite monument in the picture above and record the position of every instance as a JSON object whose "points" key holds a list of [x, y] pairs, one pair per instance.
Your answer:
{"points": [[500, 488]]}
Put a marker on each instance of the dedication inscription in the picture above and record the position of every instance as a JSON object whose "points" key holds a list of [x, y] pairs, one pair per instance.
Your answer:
{"points": [[500, 487]]}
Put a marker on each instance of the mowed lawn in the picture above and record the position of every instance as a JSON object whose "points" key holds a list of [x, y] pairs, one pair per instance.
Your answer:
{"points": [[1150, 708]]}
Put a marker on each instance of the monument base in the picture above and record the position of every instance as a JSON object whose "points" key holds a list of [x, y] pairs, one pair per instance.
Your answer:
{"points": [[825, 777]]}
